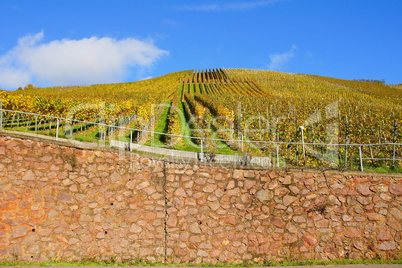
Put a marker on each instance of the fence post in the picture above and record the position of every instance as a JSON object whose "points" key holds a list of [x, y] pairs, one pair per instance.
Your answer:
{"points": [[1, 114], [131, 140], [242, 143], [202, 150], [277, 155], [57, 129], [36, 123], [347, 142], [304, 150], [394, 146], [361, 158], [393, 155]]}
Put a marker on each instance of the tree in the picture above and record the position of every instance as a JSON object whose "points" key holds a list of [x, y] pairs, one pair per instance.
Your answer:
{"points": [[30, 86]]}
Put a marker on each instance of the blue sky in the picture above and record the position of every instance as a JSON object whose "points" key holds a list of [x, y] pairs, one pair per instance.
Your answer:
{"points": [[87, 42]]}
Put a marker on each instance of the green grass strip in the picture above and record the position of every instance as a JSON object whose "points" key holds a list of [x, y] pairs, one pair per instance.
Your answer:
{"points": [[221, 264], [161, 126]]}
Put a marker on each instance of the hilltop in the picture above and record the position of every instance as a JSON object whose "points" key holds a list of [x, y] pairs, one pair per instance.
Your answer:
{"points": [[231, 104]]}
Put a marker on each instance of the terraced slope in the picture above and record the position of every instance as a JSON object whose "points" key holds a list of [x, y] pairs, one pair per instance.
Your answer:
{"points": [[236, 104]]}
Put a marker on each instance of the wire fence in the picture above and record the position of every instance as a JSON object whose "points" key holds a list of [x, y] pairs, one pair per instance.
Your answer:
{"points": [[246, 152]]}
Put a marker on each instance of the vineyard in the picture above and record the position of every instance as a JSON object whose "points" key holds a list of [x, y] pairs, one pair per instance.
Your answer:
{"points": [[296, 119]]}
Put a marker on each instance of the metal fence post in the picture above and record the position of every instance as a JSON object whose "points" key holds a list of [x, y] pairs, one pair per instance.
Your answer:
{"points": [[361, 158], [277, 155], [71, 129], [304, 150], [57, 129], [394, 146], [346, 155], [202, 150], [131, 140], [36, 123], [242, 144], [1, 114]]}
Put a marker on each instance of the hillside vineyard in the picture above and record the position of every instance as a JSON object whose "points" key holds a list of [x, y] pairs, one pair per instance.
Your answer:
{"points": [[230, 105]]}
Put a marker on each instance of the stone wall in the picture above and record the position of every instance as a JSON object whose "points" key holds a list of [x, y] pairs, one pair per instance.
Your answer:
{"points": [[64, 203]]}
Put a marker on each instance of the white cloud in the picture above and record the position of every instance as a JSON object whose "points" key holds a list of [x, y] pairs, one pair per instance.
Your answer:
{"points": [[12, 79], [239, 6], [280, 60], [75, 62]]}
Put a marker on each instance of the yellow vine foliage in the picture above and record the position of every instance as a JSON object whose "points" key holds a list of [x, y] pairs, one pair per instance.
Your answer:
{"points": [[260, 104]]}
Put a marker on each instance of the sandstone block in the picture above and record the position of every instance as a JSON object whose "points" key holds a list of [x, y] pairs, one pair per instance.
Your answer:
{"points": [[278, 222], [202, 253], [396, 213], [310, 240], [231, 220], [231, 185], [273, 184], [308, 182], [87, 238], [195, 239], [171, 221], [145, 252], [349, 191], [180, 192], [264, 195], [374, 217], [115, 177], [395, 188], [19, 231], [210, 188], [281, 191], [143, 185], [288, 199], [355, 255], [233, 192], [299, 219], [294, 189], [28, 176], [205, 245], [238, 174], [131, 184], [352, 232], [286, 180], [64, 197], [322, 223], [135, 228], [385, 197], [10, 197], [385, 246], [85, 218], [384, 234], [394, 224], [248, 184], [194, 228], [214, 205], [291, 228], [45, 232]]}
